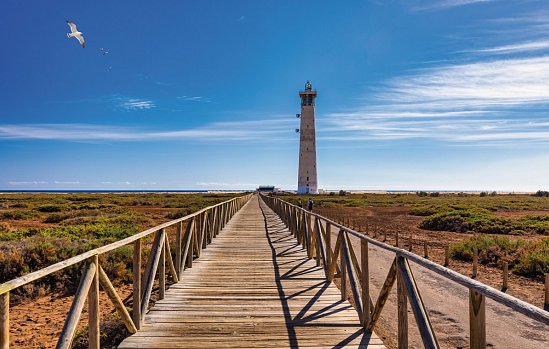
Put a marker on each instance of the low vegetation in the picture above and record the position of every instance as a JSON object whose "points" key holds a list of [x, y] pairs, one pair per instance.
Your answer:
{"points": [[487, 214], [528, 258], [37, 230]]}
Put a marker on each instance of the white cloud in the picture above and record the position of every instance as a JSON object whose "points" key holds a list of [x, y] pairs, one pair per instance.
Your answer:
{"points": [[483, 103], [226, 185], [516, 48], [66, 182], [136, 104], [255, 130], [485, 84], [120, 182], [27, 182], [194, 99], [443, 4]]}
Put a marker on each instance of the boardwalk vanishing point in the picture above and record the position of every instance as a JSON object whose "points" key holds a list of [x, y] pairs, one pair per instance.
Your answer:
{"points": [[253, 287]]}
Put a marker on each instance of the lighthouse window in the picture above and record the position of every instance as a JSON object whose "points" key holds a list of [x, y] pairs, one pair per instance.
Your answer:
{"points": [[307, 178]]}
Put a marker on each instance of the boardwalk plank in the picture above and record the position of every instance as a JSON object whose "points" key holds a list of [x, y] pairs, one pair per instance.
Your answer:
{"points": [[253, 287]]}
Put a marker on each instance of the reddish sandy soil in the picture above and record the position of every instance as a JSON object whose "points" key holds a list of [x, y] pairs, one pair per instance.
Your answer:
{"points": [[40, 328], [37, 323]]}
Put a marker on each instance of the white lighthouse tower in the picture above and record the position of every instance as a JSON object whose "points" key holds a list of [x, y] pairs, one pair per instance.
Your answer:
{"points": [[306, 180]]}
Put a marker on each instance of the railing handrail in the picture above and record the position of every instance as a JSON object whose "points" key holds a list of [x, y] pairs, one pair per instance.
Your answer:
{"points": [[38, 274], [514, 303]]}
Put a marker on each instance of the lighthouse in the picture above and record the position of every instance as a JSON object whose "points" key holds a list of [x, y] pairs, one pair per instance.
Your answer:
{"points": [[306, 180]]}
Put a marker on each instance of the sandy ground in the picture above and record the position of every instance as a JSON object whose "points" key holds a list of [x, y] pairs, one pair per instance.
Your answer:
{"points": [[446, 301], [38, 323]]}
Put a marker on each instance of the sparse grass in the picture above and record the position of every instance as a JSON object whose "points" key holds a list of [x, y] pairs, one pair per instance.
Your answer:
{"points": [[484, 222], [112, 332], [453, 212], [529, 258], [62, 226]]}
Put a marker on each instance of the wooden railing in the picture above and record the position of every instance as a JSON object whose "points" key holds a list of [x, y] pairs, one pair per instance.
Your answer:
{"points": [[201, 228], [314, 232]]}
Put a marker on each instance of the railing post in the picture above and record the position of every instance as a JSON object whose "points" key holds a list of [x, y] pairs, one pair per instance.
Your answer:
{"points": [[475, 262], [546, 305], [5, 320], [192, 231], [136, 311], [310, 237], [410, 243], [162, 268], [505, 276], [93, 308], [317, 240], [328, 245], [402, 303], [342, 268], [303, 230], [477, 320], [178, 247], [365, 283]]}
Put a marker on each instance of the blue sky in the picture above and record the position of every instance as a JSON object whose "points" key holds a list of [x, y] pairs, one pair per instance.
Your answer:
{"points": [[412, 94]]}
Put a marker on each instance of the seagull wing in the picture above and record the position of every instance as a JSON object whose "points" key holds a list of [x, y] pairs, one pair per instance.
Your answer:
{"points": [[81, 40], [72, 26]]}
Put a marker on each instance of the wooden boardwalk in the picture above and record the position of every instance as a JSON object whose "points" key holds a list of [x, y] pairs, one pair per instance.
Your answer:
{"points": [[253, 287]]}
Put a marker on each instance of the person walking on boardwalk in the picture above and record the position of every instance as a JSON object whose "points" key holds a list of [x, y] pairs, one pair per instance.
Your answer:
{"points": [[310, 204], [300, 203]]}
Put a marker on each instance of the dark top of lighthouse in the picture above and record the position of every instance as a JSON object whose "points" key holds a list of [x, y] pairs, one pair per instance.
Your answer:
{"points": [[308, 95]]}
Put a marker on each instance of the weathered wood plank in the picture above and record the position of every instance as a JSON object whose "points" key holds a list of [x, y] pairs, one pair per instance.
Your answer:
{"points": [[93, 308], [263, 293], [5, 320], [67, 334]]}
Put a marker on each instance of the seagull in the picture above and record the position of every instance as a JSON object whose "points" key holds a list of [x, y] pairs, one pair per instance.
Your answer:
{"points": [[75, 33], [104, 51]]}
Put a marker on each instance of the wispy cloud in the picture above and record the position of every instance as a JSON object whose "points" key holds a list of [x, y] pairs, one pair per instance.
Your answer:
{"points": [[136, 104], [27, 182], [213, 185], [485, 103], [116, 182], [529, 46], [66, 182], [485, 84], [194, 99], [444, 4], [255, 130]]}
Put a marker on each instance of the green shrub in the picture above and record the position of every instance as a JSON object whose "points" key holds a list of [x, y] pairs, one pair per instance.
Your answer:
{"points": [[490, 249], [535, 261], [18, 214], [112, 329], [482, 221], [424, 210], [52, 208], [529, 258], [56, 218], [178, 214]]}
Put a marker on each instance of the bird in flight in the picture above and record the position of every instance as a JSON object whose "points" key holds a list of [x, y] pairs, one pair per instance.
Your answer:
{"points": [[75, 33], [103, 51]]}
